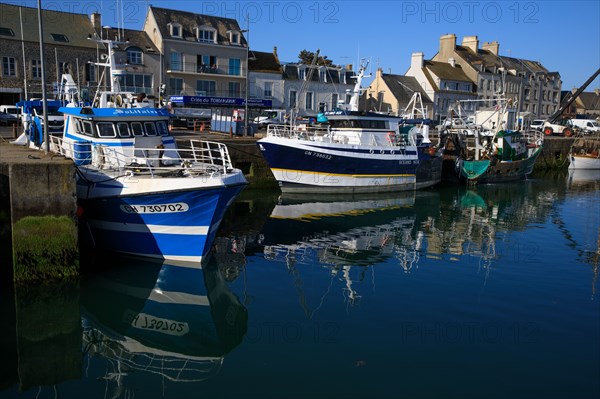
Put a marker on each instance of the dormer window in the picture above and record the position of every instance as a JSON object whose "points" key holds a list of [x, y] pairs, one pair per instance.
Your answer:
{"points": [[134, 55], [302, 74], [323, 75], [6, 32], [59, 37], [234, 37], [206, 34], [175, 30]]}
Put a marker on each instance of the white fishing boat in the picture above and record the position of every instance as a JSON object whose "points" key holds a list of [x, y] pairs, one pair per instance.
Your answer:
{"points": [[138, 191], [585, 153], [353, 152]]}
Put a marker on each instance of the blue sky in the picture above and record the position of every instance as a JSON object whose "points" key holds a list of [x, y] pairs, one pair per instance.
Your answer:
{"points": [[563, 35]]}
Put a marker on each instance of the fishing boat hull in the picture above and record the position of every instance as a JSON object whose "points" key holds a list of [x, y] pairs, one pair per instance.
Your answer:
{"points": [[175, 225], [498, 171], [584, 162], [325, 167]]}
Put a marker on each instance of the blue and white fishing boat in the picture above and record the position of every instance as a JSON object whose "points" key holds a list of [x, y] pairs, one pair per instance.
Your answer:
{"points": [[353, 152], [139, 192]]}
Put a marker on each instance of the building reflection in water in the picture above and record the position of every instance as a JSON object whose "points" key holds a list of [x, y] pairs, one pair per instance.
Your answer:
{"points": [[349, 235]]}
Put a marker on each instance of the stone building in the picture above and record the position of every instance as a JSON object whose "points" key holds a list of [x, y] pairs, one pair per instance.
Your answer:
{"points": [[266, 79], [534, 88], [390, 94], [66, 50]]}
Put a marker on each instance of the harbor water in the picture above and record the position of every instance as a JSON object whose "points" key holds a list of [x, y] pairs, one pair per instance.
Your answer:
{"points": [[451, 292]]}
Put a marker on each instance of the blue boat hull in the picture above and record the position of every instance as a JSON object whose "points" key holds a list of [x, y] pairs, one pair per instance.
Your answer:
{"points": [[179, 226], [323, 167]]}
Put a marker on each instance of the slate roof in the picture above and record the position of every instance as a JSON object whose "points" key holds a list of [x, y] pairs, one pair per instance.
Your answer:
{"points": [[483, 60], [403, 87], [589, 100], [445, 71], [137, 38], [189, 21], [519, 64], [76, 27], [264, 62]]}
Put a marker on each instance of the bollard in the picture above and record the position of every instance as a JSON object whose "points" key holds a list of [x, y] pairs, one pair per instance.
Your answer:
{"points": [[14, 132], [231, 131]]}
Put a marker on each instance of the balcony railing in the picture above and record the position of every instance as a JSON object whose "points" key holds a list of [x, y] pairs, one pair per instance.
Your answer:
{"points": [[193, 67]]}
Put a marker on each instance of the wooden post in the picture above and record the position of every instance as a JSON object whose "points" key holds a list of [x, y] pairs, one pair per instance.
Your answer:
{"points": [[14, 132]]}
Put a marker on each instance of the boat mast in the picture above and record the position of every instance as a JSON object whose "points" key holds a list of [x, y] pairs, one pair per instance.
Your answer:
{"points": [[353, 105], [44, 99]]}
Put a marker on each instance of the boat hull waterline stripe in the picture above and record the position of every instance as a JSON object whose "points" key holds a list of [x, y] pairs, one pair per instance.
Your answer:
{"points": [[149, 228], [296, 171]]}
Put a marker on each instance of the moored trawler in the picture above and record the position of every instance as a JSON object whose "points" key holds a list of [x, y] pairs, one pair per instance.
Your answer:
{"points": [[353, 152], [138, 191]]}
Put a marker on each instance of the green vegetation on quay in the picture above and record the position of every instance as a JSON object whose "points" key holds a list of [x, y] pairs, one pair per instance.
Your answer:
{"points": [[45, 248]]}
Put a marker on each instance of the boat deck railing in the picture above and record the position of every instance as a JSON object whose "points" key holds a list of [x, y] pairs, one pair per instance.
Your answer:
{"points": [[535, 137], [299, 132], [191, 158]]}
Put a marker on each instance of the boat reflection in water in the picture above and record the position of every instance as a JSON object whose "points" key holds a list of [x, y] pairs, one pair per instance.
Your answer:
{"points": [[172, 319], [345, 234], [350, 234]]}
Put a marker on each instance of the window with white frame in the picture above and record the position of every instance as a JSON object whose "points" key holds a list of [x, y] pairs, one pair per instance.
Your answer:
{"points": [[134, 55], [323, 75], [234, 37], [309, 100], [302, 74], [8, 66], [268, 90], [206, 35], [175, 30], [36, 69]]}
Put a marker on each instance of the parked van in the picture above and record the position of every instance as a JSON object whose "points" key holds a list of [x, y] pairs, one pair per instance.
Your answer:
{"points": [[271, 116], [11, 110], [587, 125], [536, 124]]}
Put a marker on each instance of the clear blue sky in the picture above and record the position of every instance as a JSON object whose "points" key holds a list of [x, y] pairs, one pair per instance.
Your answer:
{"points": [[563, 35]]}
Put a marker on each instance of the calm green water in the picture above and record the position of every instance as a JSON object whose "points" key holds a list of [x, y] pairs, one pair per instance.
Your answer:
{"points": [[444, 293]]}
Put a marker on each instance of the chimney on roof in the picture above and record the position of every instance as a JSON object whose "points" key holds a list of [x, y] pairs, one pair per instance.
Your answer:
{"points": [[471, 42], [597, 91], [379, 73], [492, 47], [416, 60], [96, 20], [275, 53], [574, 90], [452, 62], [447, 44]]}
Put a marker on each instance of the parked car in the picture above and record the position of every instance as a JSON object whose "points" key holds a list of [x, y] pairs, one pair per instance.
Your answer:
{"points": [[537, 124], [8, 119]]}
